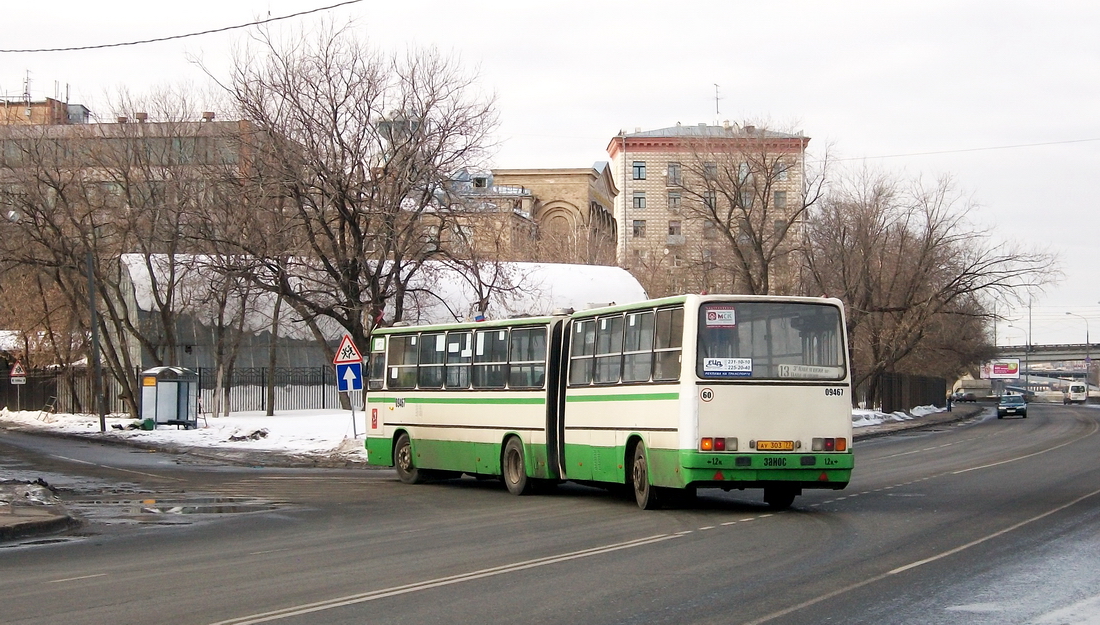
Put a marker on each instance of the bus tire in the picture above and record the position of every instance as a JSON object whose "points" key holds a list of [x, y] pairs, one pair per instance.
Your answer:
{"points": [[645, 494], [514, 468], [403, 461], [779, 497]]}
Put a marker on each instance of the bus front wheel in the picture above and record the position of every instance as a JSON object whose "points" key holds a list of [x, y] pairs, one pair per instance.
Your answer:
{"points": [[403, 461], [515, 470], [644, 492]]}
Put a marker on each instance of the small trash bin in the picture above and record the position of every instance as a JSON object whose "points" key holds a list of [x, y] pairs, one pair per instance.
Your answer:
{"points": [[170, 396]]}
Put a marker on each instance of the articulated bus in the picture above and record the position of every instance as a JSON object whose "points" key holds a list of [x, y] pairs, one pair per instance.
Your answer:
{"points": [[662, 397]]}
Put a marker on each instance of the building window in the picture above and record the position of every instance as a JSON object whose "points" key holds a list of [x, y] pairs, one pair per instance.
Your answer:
{"points": [[746, 199], [674, 201], [780, 169], [710, 230], [639, 170], [710, 171], [710, 200], [780, 200], [674, 174], [744, 173], [639, 228], [639, 199], [674, 228]]}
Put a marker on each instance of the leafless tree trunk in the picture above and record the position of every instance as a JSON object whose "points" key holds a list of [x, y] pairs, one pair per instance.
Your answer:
{"points": [[349, 150], [913, 273], [748, 192]]}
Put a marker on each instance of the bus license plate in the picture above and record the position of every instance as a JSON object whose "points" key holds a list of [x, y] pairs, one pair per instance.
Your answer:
{"points": [[774, 445]]}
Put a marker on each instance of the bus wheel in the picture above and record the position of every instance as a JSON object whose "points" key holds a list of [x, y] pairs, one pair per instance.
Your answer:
{"points": [[515, 473], [779, 497], [644, 493], [403, 461]]}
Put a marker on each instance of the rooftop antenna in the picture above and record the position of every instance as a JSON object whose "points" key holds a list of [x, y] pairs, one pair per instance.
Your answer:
{"points": [[717, 114]]}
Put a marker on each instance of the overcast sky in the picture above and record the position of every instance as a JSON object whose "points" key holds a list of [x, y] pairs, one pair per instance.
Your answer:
{"points": [[921, 89]]}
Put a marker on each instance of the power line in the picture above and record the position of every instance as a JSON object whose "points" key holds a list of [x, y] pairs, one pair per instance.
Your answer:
{"points": [[196, 34], [994, 147]]}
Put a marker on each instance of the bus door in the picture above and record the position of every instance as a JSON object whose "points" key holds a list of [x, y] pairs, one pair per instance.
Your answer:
{"points": [[555, 398]]}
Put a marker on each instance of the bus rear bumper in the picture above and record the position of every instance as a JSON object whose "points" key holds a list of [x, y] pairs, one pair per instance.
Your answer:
{"points": [[756, 470]]}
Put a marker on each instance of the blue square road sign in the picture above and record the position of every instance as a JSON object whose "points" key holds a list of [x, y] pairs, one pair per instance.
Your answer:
{"points": [[349, 376]]}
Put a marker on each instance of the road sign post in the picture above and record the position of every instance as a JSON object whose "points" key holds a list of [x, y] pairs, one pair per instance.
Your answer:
{"points": [[18, 377], [349, 373]]}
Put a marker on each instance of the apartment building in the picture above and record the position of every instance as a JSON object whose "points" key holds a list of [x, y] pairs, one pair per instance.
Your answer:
{"points": [[690, 195]]}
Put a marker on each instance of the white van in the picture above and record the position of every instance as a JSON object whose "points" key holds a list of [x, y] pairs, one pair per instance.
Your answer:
{"points": [[1076, 393]]}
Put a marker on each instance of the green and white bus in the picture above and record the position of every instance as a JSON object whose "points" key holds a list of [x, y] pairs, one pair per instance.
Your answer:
{"points": [[664, 397]]}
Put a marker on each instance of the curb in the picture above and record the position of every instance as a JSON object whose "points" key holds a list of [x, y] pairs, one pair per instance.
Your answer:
{"points": [[957, 415], [36, 527]]}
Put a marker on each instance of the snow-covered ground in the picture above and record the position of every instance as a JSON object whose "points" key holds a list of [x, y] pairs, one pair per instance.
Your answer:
{"points": [[297, 432], [316, 433]]}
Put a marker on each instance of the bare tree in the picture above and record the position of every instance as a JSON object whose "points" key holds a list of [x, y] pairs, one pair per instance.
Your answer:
{"points": [[349, 151], [748, 190], [912, 272]]}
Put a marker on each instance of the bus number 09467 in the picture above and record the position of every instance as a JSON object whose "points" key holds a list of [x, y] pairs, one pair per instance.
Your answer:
{"points": [[834, 392]]}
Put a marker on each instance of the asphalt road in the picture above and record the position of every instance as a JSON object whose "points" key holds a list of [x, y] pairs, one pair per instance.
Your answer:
{"points": [[987, 521]]}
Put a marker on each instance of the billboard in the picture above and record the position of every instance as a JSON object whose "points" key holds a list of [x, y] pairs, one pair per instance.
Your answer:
{"points": [[1001, 369]]}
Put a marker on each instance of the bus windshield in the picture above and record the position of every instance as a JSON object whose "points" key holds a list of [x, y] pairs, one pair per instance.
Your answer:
{"points": [[770, 341]]}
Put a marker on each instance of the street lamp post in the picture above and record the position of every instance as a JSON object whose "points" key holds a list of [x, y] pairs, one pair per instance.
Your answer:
{"points": [[1027, 357], [1088, 358]]}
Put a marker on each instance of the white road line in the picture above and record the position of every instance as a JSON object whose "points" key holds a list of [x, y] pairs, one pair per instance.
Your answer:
{"points": [[73, 579], [103, 466], [913, 565], [1095, 427], [319, 606]]}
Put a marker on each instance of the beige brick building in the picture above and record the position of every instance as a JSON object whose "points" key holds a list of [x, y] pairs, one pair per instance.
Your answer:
{"points": [[709, 207]]}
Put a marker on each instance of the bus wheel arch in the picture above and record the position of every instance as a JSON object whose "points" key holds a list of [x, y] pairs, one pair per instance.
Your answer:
{"points": [[513, 467]]}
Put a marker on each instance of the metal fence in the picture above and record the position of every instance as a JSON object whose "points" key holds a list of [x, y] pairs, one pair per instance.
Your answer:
{"points": [[899, 391], [73, 390]]}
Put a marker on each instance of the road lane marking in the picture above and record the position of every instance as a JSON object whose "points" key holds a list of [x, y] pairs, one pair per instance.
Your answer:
{"points": [[73, 579], [913, 565], [373, 595], [1095, 427], [103, 466]]}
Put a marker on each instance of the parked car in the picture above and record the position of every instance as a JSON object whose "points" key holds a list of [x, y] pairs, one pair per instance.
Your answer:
{"points": [[961, 396], [1012, 405]]}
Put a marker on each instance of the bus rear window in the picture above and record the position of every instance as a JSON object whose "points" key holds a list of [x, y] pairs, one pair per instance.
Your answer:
{"points": [[770, 341]]}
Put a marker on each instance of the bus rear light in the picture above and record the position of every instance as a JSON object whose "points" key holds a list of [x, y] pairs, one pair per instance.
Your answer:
{"points": [[829, 444], [717, 444]]}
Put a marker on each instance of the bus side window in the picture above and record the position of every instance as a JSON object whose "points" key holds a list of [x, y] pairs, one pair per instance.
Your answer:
{"points": [[490, 358], [459, 355], [582, 348], [402, 362], [376, 371], [527, 358], [638, 347], [430, 372], [669, 341], [609, 349]]}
